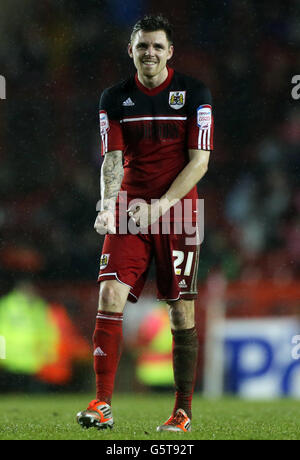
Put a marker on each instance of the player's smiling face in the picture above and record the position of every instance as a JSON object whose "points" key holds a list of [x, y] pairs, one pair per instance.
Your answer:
{"points": [[150, 52]]}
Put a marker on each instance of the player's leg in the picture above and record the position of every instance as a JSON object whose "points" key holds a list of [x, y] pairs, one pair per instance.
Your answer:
{"points": [[107, 340], [108, 336], [112, 296], [181, 314], [185, 353], [177, 285], [123, 268]]}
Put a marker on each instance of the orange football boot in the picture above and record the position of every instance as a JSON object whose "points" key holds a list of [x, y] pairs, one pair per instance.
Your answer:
{"points": [[178, 422], [98, 415]]}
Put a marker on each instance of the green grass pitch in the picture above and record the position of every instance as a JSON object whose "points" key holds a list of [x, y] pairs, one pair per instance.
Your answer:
{"points": [[52, 417]]}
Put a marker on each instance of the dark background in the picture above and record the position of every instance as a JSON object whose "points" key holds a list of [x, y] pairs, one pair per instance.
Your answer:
{"points": [[57, 56]]}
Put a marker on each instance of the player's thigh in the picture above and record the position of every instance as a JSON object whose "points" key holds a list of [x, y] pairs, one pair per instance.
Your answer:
{"points": [[182, 314], [112, 296], [125, 258]]}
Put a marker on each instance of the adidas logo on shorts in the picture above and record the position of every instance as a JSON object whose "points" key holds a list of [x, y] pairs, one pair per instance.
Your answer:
{"points": [[182, 284]]}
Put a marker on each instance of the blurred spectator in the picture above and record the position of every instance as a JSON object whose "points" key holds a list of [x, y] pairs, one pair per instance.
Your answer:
{"points": [[30, 336], [154, 347], [42, 343]]}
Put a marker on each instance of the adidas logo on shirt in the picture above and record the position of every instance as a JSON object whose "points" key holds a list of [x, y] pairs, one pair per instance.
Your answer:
{"points": [[128, 102], [99, 352]]}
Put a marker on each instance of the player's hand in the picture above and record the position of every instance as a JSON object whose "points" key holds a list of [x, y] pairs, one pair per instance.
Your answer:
{"points": [[143, 214], [105, 222]]}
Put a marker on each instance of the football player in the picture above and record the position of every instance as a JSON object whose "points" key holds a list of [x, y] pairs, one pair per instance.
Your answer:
{"points": [[157, 133]]}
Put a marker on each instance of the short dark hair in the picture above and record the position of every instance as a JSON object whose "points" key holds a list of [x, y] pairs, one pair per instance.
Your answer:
{"points": [[151, 23]]}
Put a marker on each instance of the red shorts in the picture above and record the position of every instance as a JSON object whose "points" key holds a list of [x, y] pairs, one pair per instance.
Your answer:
{"points": [[127, 258]]}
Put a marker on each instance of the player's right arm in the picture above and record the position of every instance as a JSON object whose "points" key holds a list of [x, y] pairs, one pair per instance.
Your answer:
{"points": [[110, 182], [112, 146]]}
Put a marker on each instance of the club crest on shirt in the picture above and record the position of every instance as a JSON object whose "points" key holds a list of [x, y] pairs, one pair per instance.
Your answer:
{"points": [[177, 99], [104, 123], [104, 261]]}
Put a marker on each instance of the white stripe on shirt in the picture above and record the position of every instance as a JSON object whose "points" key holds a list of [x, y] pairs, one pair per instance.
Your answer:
{"points": [[126, 120]]}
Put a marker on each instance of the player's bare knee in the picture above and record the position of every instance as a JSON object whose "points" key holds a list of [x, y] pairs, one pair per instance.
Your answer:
{"points": [[181, 314], [107, 297], [113, 296], [177, 317], [110, 299]]}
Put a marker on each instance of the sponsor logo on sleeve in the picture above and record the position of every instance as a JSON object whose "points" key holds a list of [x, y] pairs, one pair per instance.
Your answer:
{"points": [[204, 116], [104, 123]]}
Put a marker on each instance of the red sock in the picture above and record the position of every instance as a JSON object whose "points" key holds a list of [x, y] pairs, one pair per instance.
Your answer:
{"points": [[107, 352]]}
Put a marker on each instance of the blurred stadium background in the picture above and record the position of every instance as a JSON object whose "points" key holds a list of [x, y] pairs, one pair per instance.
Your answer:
{"points": [[57, 56]]}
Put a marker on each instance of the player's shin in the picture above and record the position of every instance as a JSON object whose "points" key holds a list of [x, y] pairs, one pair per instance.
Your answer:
{"points": [[107, 340], [185, 354]]}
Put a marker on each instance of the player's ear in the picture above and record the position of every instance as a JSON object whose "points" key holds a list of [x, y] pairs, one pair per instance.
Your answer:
{"points": [[129, 49], [171, 51]]}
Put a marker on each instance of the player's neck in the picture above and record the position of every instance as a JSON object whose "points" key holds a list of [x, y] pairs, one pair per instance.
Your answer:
{"points": [[155, 81]]}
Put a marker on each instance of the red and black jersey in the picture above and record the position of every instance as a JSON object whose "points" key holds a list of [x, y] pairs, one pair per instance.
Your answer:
{"points": [[155, 128]]}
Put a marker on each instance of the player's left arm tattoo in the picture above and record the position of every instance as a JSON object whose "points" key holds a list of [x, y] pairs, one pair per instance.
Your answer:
{"points": [[112, 173]]}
